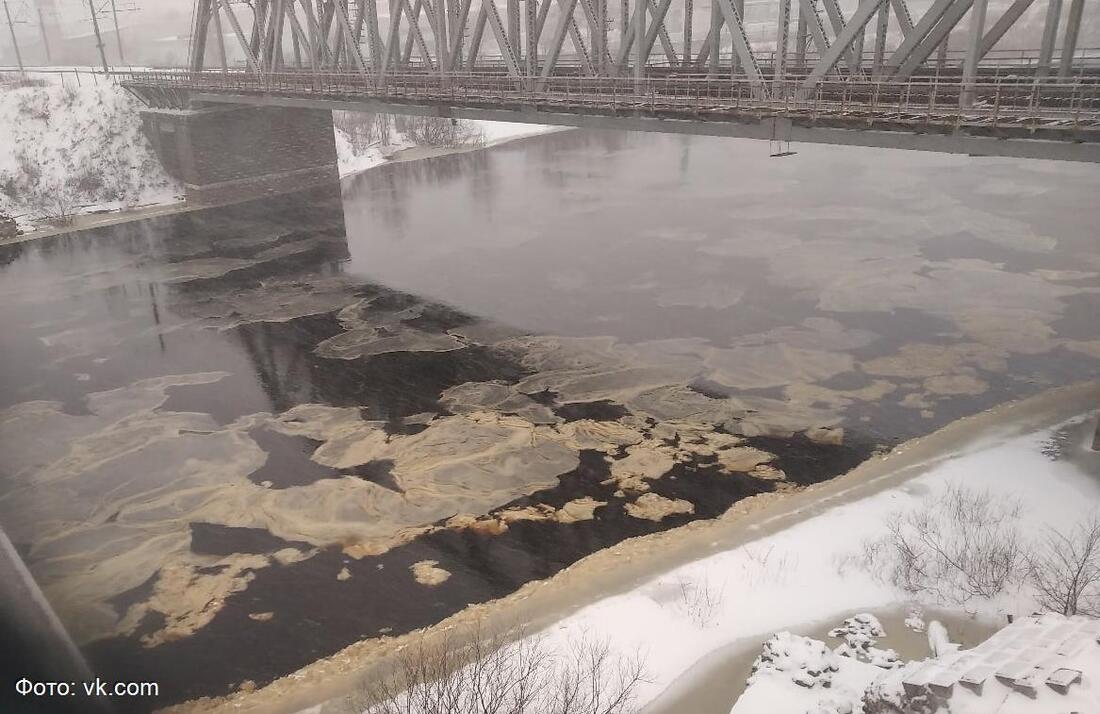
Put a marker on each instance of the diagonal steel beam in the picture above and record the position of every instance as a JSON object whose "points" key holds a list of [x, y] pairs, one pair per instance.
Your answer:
{"points": [[808, 8], [506, 49], [655, 28], [937, 35], [836, 19], [905, 19], [1050, 36], [558, 38], [1003, 25], [860, 18], [917, 35], [666, 41], [743, 48], [475, 38], [881, 30], [245, 45]]}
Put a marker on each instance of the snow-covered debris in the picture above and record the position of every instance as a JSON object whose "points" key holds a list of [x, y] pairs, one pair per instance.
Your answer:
{"points": [[799, 674], [66, 150], [806, 662], [860, 634]]}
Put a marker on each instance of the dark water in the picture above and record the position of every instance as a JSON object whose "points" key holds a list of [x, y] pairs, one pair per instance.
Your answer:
{"points": [[229, 439]]}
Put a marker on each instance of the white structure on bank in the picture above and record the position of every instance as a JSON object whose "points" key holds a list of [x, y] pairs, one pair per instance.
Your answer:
{"points": [[1042, 664]]}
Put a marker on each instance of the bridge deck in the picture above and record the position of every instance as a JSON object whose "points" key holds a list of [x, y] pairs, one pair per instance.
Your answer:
{"points": [[1009, 110]]}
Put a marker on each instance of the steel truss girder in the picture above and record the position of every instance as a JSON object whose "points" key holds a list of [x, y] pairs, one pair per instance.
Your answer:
{"points": [[448, 36]]}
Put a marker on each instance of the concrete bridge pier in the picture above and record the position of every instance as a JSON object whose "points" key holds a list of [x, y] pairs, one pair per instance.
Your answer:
{"points": [[227, 152]]}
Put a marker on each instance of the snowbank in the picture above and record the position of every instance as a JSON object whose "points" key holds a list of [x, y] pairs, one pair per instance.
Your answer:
{"points": [[358, 155], [806, 574], [66, 150]]}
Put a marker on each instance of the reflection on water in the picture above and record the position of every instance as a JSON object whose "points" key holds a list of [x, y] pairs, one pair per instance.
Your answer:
{"points": [[234, 441]]}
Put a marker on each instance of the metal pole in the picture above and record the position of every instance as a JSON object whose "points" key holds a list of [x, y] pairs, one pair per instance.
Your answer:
{"points": [[1050, 35], [973, 52], [45, 37], [14, 42], [1069, 44], [118, 34], [639, 43], [98, 37]]}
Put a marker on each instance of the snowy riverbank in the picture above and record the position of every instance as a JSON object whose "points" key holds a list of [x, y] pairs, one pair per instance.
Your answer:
{"points": [[67, 151]]}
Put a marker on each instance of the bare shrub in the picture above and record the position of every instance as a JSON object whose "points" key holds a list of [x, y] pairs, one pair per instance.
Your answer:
{"points": [[700, 600], [1065, 569], [504, 674], [961, 545], [436, 131], [364, 129]]}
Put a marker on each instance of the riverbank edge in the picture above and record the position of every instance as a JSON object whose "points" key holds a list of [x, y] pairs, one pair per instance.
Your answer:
{"points": [[89, 221], [615, 570]]}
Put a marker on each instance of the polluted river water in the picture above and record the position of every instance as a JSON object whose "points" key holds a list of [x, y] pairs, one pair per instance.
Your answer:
{"points": [[238, 440]]}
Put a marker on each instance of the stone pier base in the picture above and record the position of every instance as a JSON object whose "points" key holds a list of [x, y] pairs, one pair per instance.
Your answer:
{"points": [[226, 152]]}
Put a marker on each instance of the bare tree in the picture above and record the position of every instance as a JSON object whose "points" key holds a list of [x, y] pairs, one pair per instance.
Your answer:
{"points": [[960, 545], [436, 131], [506, 673], [1065, 569]]}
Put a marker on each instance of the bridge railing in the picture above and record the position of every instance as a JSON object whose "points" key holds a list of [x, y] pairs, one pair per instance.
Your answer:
{"points": [[1043, 102]]}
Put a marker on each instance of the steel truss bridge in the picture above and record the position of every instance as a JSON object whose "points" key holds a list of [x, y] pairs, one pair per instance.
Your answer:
{"points": [[798, 70]]}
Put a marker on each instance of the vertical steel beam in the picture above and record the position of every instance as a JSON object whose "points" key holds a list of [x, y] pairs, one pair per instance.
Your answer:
{"points": [[532, 44], [941, 54], [715, 38], [220, 45], [512, 8], [882, 29], [738, 5], [782, 30], [440, 32], [973, 53], [624, 18], [689, 11], [640, 58], [1069, 44], [801, 39], [1050, 36]]}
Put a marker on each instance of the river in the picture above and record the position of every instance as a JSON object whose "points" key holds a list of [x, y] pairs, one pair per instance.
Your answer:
{"points": [[236, 440]]}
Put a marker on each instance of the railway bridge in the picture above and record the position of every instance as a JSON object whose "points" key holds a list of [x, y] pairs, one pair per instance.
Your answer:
{"points": [[252, 106]]}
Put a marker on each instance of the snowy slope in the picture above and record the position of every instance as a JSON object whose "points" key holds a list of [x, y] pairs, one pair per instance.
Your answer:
{"points": [[69, 150], [805, 573]]}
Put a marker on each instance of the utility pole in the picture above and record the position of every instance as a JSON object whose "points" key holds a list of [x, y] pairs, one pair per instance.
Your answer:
{"points": [[118, 35], [45, 37], [98, 37], [14, 41]]}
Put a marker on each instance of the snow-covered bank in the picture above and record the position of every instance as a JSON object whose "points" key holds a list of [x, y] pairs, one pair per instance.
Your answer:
{"points": [[69, 150], [809, 572], [357, 154]]}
